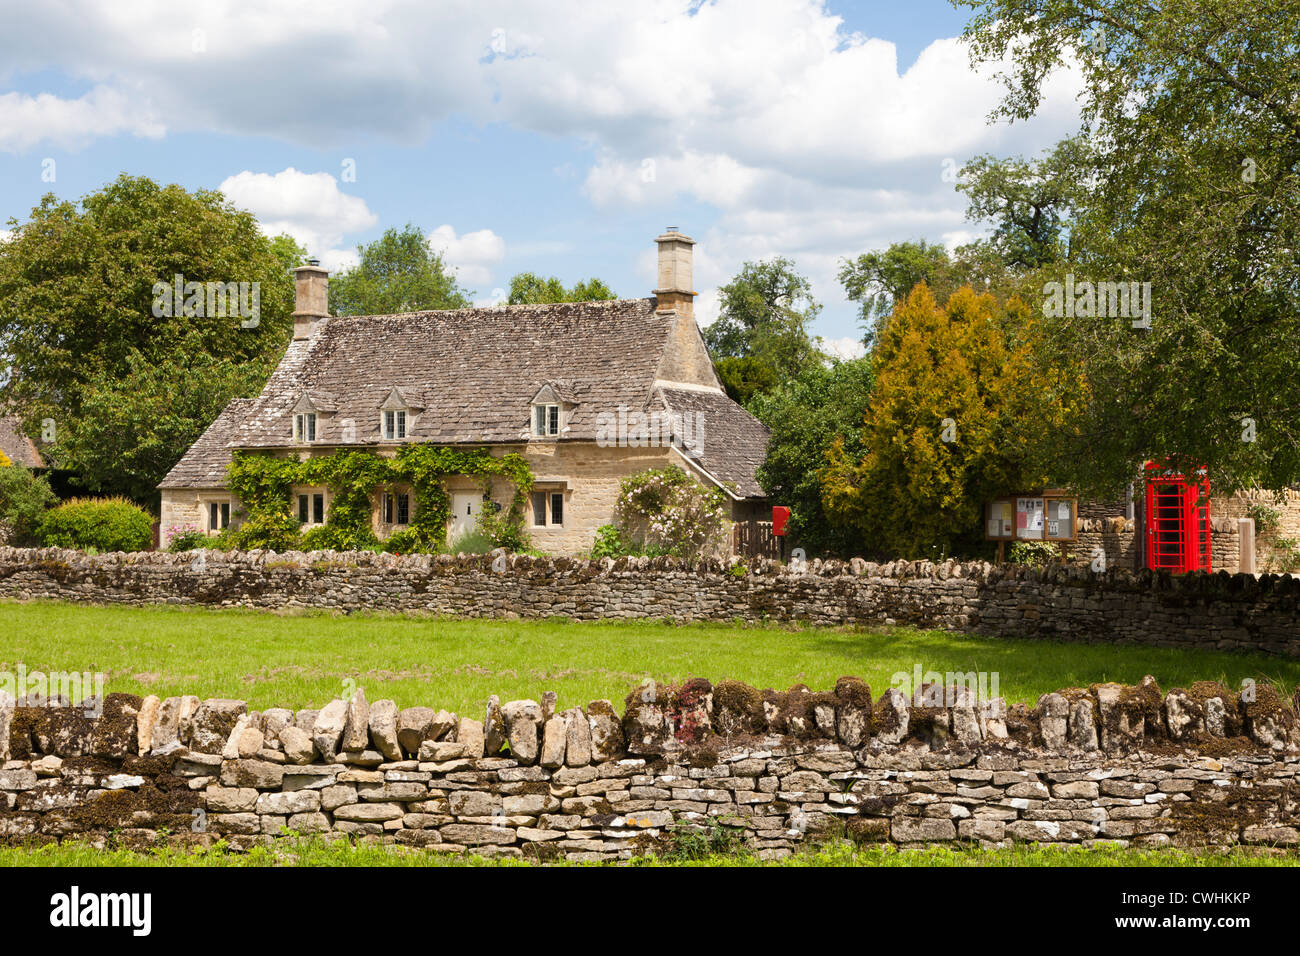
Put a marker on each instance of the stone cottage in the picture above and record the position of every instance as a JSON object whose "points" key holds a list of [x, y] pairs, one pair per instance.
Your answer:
{"points": [[587, 392]]}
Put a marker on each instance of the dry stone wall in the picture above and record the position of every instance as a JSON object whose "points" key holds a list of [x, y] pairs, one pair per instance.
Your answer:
{"points": [[1221, 611], [1196, 767]]}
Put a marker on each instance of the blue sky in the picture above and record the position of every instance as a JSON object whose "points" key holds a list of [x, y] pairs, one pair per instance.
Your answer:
{"points": [[555, 137]]}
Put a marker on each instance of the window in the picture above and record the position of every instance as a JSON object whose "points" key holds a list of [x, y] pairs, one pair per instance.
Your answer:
{"points": [[546, 420], [218, 515], [394, 425], [318, 509], [304, 426], [396, 508], [541, 501], [303, 513]]}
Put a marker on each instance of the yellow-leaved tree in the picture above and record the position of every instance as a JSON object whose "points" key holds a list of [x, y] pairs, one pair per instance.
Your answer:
{"points": [[959, 414]]}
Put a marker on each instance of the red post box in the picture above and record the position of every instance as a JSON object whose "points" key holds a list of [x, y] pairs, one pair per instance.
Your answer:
{"points": [[780, 515]]}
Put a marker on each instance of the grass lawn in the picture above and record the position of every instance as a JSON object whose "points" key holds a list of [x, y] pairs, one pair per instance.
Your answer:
{"points": [[318, 852], [304, 659]]}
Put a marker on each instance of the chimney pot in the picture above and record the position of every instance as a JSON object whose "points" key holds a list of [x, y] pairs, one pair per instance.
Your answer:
{"points": [[311, 297], [674, 293]]}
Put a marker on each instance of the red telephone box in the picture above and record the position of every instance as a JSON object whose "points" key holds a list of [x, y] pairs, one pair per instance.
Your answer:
{"points": [[1177, 521]]}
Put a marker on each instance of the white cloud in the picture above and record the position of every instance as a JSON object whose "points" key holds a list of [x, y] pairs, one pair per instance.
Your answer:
{"points": [[473, 255], [845, 348], [806, 137], [6, 235], [308, 206], [26, 121]]}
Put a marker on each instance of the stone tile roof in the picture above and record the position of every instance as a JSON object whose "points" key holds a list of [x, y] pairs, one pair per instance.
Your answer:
{"points": [[205, 464], [469, 376], [475, 371], [17, 447], [733, 442]]}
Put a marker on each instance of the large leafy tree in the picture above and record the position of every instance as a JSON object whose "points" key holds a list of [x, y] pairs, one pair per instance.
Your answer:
{"points": [[1029, 202], [807, 414], [80, 317], [952, 422], [765, 313], [527, 288], [398, 272], [1192, 112], [880, 279]]}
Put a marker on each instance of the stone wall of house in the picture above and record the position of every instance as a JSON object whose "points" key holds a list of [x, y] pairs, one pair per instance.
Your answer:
{"points": [[1195, 767], [1220, 611]]}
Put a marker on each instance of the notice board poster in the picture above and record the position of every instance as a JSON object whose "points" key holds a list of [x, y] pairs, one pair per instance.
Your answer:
{"points": [[1060, 519], [1001, 522], [1029, 519]]}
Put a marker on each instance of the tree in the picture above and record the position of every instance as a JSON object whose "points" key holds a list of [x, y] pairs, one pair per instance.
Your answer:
{"points": [[529, 289], [87, 292], [24, 499], [879, 280], [807, 414], [398, 272], [952, 422], [744, 377], [1193, 114], [764, 316], [1030, 203], [876, 280], [134, 426]]}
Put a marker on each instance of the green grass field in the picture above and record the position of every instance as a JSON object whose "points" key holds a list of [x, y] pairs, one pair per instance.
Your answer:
{"points": [[303, 660], [318, 852]]}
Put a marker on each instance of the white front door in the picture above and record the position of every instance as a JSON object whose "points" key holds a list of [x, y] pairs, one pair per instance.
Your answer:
{"points": [[465, 507]]}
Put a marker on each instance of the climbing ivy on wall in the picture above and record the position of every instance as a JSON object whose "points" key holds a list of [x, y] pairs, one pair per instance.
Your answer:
{"points": [[265, 482]]}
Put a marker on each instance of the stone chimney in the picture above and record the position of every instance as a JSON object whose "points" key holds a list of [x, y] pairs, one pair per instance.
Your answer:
{"points": [[674, 293], [311, 298]]}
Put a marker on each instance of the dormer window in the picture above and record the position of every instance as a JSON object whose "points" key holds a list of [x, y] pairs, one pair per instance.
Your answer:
{"points": [[304, 427], [398, 413], [546, 420], [394, 424]]}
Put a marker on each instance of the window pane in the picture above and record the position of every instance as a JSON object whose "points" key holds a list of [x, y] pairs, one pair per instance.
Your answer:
{"points": [[401, 424], [311, 427], [212, 517], [557, 507], [225, 515], [539, 420], [554, 412], [388, 508], [302, 508], [539, 508], [403, 509], [318, 509], [388, 424]]}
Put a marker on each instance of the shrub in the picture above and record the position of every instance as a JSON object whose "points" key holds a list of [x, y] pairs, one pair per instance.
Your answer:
{"points": [[184, 537], [1035, 554], [338, 538], [101, 524], [610, 543], [267, 530], [24, 499], [664, 511], [474, 542]]}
